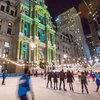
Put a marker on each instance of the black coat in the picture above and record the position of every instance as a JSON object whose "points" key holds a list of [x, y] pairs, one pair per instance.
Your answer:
{"points": [[55, 78], [70, 77]]}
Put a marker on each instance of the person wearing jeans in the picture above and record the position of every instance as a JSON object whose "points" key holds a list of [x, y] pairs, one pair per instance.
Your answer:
{"points": [[62, 79], [83, 82]]}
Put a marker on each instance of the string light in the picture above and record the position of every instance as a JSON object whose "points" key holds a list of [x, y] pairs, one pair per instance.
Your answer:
{"points": [[11, 61]]}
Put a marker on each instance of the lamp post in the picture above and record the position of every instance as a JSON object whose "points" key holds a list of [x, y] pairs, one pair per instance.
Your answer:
{"points": [[32, 45], [32, 54]]}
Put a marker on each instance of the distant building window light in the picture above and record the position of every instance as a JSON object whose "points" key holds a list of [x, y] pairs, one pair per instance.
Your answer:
{"points": [[7, 44], [10, 24], [57, 19], [6, 52]]}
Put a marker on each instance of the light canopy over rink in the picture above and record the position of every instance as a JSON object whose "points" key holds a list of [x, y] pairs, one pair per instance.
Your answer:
{"points": [[9, 91]]}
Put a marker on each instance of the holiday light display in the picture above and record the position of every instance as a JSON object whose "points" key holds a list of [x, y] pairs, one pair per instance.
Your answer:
{"points": [[35, 27]]}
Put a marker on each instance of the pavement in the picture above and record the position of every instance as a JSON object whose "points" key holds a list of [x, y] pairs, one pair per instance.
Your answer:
{"points": [[9, 91]]}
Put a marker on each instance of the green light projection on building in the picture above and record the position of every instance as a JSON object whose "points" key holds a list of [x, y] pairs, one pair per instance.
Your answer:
{"points": [[36, 27]]}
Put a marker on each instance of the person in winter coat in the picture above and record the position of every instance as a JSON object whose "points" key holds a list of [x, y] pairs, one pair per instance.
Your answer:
{"points": [[83, 82], [24, 86], [4, 75], [49, 79], [62, 79], [70, 79], [55, 80], [97, 81]]}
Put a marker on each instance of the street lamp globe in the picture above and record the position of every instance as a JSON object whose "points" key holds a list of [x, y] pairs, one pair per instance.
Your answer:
{"points": [[65, 56], [32, 45]]}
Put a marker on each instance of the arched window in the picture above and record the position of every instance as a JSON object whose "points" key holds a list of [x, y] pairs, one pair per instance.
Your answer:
{"points": [[25, 46], [41, 35], [41, 2], [42, 20], [26, 12], [26, 29]]}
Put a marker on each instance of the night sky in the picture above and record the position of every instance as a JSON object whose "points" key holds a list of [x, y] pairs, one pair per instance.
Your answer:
{"points": [[57, 7]]}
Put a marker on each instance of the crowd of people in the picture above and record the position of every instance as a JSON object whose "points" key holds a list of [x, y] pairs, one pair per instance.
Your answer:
{"points": [[54, 77]]}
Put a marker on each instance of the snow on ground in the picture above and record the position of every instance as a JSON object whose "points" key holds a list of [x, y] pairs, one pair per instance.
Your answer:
{"points": [[9, 91]]}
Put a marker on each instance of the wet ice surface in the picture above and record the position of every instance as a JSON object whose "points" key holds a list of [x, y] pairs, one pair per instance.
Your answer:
{"points": [[9, 91]]}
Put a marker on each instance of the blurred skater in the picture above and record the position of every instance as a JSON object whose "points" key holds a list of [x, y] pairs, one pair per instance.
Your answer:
{"points": [[4, 75], [24, 86], [97, 81]]}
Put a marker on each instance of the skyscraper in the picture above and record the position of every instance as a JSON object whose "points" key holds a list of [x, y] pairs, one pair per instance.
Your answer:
{"points": [[69, 25]]}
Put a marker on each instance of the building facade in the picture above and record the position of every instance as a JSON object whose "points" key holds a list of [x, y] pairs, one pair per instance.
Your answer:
{"points": [[70, 29], [7, 28], [89, 40], [93, 16], [34, 37]]}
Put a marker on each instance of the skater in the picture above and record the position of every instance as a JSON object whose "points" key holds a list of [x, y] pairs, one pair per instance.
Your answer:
{"points": [[62, 79], [24, 86], [4, 74], [97, 81], [79, 75], [83, 82], [70, 79], [41, 74], [55, 80], [49, 79], [93, 76]]}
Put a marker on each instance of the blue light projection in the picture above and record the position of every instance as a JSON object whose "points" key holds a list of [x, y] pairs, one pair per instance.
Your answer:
{"points": [[42, 20], [26, 12], [25, 46], [26, 3], [42, 53], [41, 35], [26, 29], [41, 2]]}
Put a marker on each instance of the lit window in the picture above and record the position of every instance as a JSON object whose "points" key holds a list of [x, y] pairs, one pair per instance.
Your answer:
{"points": [[6, 49], [10, 24], [7, 44]]}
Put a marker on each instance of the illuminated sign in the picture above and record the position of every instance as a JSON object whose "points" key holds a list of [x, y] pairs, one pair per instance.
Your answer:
{"points": [[7, 44]]}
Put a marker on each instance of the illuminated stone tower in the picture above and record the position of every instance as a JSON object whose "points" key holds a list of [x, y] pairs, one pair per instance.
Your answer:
{"points": [[34, 26]]}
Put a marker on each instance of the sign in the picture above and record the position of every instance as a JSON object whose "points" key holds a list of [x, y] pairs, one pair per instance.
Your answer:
{"points": [[7, 44]]}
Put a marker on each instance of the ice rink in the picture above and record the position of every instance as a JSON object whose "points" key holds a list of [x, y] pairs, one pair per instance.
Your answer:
{"points": [[9, 91]]}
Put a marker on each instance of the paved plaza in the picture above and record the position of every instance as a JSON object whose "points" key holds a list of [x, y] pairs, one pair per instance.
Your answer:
{"points": [[9, 91]]}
